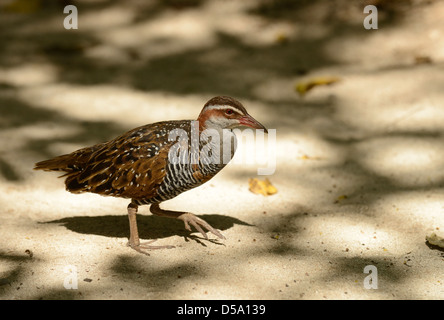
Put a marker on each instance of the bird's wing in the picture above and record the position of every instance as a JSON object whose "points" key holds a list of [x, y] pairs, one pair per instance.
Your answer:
{"points": [[130, 166]]}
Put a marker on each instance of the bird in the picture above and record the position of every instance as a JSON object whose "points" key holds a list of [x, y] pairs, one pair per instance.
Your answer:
{"points": [[156, 162]]}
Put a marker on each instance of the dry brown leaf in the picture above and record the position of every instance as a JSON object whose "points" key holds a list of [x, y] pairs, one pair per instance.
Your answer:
{"points": [[303, 87], [263, 187], [423, 60]]}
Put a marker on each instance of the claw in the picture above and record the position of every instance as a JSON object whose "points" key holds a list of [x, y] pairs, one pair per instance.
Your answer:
{"points": [[187, 218], [198, 223]]}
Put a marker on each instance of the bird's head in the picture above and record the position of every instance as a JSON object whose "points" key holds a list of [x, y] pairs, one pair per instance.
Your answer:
{"points": [[224, 112]]}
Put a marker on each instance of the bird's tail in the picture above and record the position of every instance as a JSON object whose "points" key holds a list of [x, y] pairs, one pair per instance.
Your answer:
{"points": [[71, 162], [60, 163]]}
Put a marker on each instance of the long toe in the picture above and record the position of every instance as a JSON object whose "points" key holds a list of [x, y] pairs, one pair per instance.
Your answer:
{"points": [[145, 246], [198, 223]]}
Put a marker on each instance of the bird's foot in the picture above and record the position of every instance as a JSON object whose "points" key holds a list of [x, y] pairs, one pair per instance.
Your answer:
{"points": [[198, 223], [142, 247]]}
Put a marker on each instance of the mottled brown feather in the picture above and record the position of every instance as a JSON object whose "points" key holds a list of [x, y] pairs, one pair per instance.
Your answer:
{"points": [[127, 166]]}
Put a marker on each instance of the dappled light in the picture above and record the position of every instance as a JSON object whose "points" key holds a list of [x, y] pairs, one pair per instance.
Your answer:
{"points": [[355, 158]]}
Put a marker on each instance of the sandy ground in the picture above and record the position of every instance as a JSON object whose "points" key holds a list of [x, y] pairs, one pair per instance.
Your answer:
{"points": [[359, 163]]}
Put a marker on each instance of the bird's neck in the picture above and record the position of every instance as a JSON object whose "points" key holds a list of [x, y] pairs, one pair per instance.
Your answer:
{"points": [[221, 141]]}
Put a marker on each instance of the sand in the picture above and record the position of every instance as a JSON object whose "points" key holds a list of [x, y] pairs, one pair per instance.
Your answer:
{"points": [[358, 164]]}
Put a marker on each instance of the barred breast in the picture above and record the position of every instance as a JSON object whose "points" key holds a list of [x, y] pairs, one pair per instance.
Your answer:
{"points": [[199, 161]]}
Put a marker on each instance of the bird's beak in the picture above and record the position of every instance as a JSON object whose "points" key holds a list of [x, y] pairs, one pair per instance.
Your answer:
{"points": [[249, 121]]}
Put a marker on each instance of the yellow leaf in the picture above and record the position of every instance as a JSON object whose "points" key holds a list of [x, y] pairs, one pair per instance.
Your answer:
{"points": [[307, 157], [263, 187], [303, 87], [281, 38], [340, 198], [22, 6]]}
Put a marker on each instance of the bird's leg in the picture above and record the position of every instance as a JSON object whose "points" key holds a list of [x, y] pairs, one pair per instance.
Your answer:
{"points": [[134, 241], [187, 218]]}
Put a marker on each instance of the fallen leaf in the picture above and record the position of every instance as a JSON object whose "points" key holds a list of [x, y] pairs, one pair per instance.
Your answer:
{"points": [[307, 157], [303, 87], [423, 60], [340, 198], [281, 38], [263, 187], [435, 240], [22, 6]]}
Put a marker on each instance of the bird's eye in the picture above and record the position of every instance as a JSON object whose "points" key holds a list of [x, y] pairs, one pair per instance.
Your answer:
{"points": [[228, 111]]}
